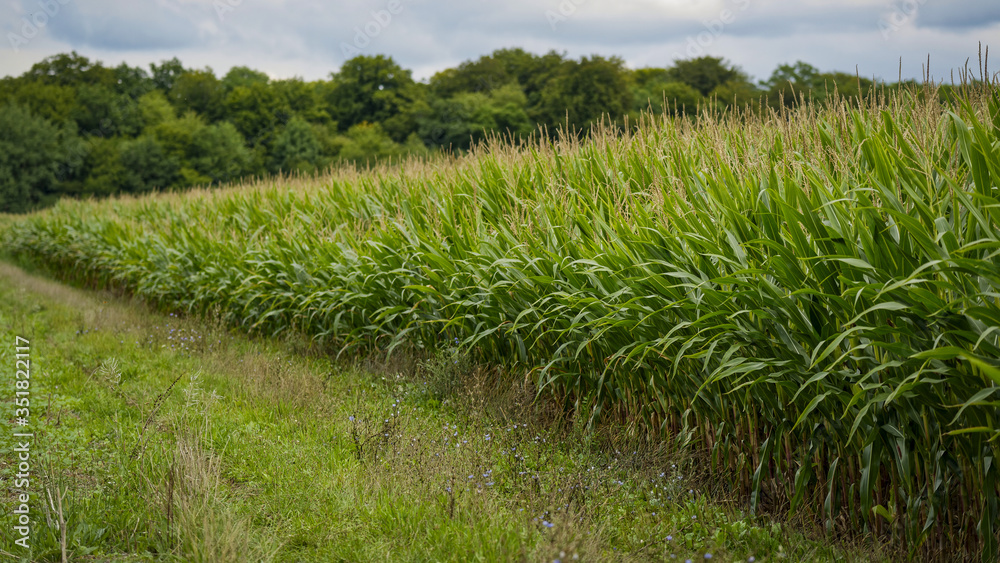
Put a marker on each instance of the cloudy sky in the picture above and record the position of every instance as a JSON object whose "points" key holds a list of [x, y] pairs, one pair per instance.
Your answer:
{"points": [[311, 38]]}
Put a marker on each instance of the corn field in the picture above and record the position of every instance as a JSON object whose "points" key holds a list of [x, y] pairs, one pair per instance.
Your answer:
{"points": [[811, 296]]}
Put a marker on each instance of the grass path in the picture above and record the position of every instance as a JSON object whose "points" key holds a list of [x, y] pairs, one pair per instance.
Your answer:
{"points": [[168, 439]]}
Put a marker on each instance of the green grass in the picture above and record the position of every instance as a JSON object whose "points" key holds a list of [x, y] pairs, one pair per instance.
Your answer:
{"points": [[811, 298], [254, 456]]}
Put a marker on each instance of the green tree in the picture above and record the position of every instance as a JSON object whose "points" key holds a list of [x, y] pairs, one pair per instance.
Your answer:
{"points": [[206, 153], [8, 86], [457, 122], [482, 75], [653, 89], [533, 77], [736, 94], [219, 153], [645, 77], [256, 112], [499, 68], [147, 166], [375, 90], [368, 143], [154, 109], [296, 148], [468, 117], [198, 91], [530, 72], [304, 99], [848, 85], [100, 111], [789, 83], [71, 70], [582, 92], [704, 74], [133, 82], [245, 77], [55, 102], [509, 105], [166, 74], [35, 157], [103, 173], [800, 74]]}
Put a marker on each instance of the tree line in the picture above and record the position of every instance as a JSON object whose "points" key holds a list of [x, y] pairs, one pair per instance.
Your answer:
{"points": [[73, 127]]}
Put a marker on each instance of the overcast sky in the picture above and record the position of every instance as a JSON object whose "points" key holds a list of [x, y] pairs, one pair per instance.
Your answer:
{"points": [[310, 38]]}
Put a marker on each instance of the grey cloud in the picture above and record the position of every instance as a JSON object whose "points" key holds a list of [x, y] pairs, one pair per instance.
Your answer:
{"points": [[122, 25], [954, 14], [430, 35], [453, 24]]}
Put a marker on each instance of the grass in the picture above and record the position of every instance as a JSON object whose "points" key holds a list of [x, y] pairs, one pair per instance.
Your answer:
{"points": [[809, 298], [169, 439]]}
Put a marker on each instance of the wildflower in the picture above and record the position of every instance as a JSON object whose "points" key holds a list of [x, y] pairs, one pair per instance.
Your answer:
{"points": [[351, 418]]}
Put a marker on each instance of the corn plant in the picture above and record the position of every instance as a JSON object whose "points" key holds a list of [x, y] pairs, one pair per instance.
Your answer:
{"points": [[811, 296]]}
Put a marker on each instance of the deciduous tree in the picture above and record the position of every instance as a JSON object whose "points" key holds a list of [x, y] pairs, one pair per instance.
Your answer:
{"points": [[296, 148], [374, 89], [35, 157], [704, 74]]}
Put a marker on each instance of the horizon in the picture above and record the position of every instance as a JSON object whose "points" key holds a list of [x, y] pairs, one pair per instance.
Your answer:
{"points": [[974, 65]]}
